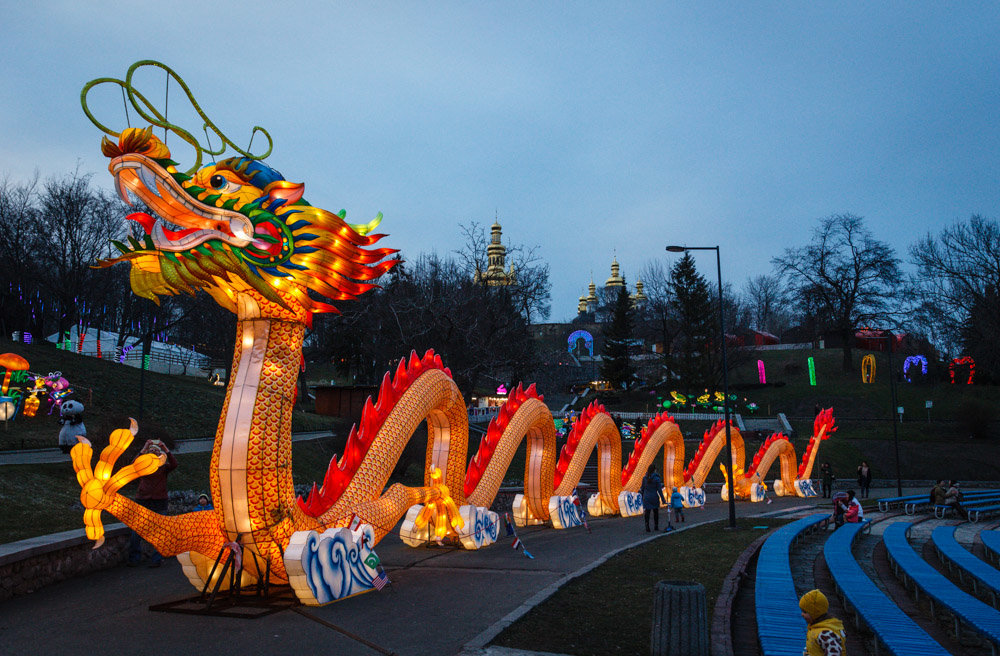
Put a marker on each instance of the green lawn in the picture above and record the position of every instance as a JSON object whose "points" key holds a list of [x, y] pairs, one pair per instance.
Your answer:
{"points": [[174, 406], [575, 620]]}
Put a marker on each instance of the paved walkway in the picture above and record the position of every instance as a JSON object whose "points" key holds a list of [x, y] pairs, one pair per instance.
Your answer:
{"points": [[39, 456], [441, 600]]}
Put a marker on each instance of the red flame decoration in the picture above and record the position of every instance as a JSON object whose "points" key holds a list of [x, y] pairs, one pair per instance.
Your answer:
{"points": [[824, 423], [700, 453], [496, 428], [339, 474], [761, 451], [640, 444], [573, 440]]}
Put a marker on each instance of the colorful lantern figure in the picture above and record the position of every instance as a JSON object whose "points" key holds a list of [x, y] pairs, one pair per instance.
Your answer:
{"points": [[31, 406], [868, 369], [962, 362], [761, 374], [58, 388], [812, 372], [912, 362], [11, 362], [238, 230]]}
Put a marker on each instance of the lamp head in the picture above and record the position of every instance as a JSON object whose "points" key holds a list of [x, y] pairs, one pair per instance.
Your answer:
{"points": [[676, 249]]}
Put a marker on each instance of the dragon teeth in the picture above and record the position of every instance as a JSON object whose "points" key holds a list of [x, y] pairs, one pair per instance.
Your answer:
{"points": [[122, 191], [149, 181]]}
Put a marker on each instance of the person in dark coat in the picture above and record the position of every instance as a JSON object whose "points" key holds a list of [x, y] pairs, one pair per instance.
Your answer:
{"points": [[864, 479], [652, 496], [827, 473], [152, 494]]}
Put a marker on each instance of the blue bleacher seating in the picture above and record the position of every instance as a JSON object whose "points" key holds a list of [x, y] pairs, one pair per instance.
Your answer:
{"points": [[780, 627], [966, 609], [894, 629], [991, 544], [961, 561]]}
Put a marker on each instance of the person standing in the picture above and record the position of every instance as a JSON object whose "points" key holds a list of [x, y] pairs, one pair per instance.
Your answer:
{"points": [[652, 496], [677, 505], [864, 479], [152, 494], [827, 473], [825, 634]]}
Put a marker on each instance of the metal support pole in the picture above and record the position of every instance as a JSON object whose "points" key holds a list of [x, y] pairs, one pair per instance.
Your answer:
{"points": [[895, 419], [725, 401]]}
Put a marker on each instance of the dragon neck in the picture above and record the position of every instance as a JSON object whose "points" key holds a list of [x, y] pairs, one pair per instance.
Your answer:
{"points": [[252, 457]]}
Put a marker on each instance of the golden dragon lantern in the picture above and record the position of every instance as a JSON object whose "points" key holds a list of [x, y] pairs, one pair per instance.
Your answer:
{"points": [[238, 230]]}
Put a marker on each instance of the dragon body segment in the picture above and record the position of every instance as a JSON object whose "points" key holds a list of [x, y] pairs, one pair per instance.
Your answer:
{"points": [[240, 231]]}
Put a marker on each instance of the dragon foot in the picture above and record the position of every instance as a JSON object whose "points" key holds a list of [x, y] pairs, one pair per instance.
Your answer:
{"points": [[98, 486], [199, 570], [439, 511], [522, 513], [333, 565]]}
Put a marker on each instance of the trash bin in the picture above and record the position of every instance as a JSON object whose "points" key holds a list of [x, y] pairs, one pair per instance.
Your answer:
{"points": [[680, 620]]}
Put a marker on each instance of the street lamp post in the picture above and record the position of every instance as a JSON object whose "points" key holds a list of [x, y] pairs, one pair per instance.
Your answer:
{"points": [[725, 376]]}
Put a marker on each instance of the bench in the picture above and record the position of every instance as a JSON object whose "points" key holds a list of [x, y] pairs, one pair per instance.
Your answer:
{"points": [[978, 512], [780, 627], [991, 545], [892, 627], [964, 608], [891, 502], [955, 556], [911, 507], [979, 504]]}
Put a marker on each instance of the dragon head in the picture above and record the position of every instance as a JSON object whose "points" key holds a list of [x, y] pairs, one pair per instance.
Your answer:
{"points": [[238, 230]]}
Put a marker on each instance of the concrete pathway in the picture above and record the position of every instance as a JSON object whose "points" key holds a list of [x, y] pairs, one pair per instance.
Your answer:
{"points": [[442, 601], [200, 445]]}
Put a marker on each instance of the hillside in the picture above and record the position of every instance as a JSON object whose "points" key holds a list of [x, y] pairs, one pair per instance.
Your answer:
{"points": [[174, 406]]}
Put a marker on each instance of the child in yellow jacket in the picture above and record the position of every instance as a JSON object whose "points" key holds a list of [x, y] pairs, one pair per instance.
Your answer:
{"points": [[825, 635]]}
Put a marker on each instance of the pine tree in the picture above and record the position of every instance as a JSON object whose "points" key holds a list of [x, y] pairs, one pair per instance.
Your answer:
{"points": [[693, 356], [617, 367]]}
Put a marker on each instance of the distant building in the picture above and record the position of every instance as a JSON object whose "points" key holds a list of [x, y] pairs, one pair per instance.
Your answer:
{"points": [[496, 254], [588, 306]]}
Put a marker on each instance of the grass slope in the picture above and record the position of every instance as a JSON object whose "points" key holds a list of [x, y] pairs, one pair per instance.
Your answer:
{"points": [[574, 621], [174, 407]]}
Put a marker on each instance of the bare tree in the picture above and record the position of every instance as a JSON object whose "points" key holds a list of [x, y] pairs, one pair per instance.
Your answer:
{"points": [[766, 301], [848, 273], [958, 275], [18, 282], [76, 223]]}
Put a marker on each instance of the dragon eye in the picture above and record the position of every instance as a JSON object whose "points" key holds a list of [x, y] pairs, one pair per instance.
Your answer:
{"points": [[221, 183]]}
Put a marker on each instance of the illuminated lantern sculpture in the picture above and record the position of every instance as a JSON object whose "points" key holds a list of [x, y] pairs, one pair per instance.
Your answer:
{"points": [[812, 372], [961, 362], [868, 369], [912, 361], [239, 230], [761, 374], [11, 362]]}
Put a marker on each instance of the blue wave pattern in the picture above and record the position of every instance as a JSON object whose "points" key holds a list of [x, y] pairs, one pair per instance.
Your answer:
{"points": [[487, 526], [339, 562], [694, 496], [569, 516], [630, 504]]}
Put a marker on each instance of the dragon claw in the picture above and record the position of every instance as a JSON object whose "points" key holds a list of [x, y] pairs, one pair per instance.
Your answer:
{"points": [[99, 486], [440, 510]]}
